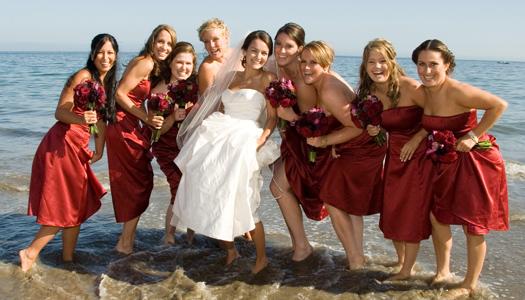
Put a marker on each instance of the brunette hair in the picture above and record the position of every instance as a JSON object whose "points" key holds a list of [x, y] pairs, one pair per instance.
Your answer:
{"points": [[439, 46], [261, 35], [293, 30], [158, 66]]}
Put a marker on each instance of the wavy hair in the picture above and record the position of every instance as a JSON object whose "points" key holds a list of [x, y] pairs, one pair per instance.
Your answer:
{"points": [[366, 84], [158, 66]]}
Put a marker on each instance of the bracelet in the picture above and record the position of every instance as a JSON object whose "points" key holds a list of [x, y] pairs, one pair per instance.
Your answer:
{"points": [[473, 136]]}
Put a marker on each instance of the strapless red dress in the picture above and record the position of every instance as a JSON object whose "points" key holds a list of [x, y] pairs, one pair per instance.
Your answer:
{"points": [[165, 151], [471, 190], [351, 182], [294, 154], [64, 191], [407, 185], [129, 160]]}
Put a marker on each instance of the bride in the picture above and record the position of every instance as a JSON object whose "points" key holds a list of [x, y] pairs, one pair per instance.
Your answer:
{"points": [[222, 155]]}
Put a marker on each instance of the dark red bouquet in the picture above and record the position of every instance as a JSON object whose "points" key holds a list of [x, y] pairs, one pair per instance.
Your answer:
{"points": [[90, 95], [184, 91], [281, 93], [161, 105], [441, 146], [368, 111], [312, 123]]}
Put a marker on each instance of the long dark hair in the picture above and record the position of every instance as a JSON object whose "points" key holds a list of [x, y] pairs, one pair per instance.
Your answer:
{"points": [[261, 35], [110, 80]]}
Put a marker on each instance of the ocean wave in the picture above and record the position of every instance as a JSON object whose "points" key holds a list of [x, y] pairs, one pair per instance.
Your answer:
{"points": [[515, 170]]}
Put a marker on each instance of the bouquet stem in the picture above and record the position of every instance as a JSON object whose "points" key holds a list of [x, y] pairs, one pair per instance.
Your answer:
{"points": [[155, 135], [312, 155]]}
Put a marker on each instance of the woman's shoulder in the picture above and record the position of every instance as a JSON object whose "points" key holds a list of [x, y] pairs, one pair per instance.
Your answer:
{"points": [[79, 77], [268, 77], [406, 82]]}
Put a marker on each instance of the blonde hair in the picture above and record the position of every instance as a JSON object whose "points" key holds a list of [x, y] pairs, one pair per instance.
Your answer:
{"points": [[322, 52], [389, 54], [214, 23]]}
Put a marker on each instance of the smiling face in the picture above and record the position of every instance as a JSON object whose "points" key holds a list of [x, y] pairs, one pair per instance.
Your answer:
{"points": [[162, 45], [377, 67], [431, 68], [256, 54], [215, 43], [182, 66], [105, 58], [310, 67], [286, 50]]}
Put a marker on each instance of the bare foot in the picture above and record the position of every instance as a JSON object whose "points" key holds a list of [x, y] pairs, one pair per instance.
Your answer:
{"points": [[301, 254], [441, 279], [123, 250], [231, 255], [399, 276], [457, 293], [26, 262], [260, 264], [168, 240], [356, 263]]}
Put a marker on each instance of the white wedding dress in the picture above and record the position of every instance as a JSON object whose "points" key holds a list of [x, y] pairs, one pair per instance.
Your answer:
{"points": [[219, 192]]}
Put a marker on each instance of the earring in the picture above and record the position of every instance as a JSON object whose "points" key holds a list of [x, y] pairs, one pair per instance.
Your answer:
{"points": [[243, 61]]}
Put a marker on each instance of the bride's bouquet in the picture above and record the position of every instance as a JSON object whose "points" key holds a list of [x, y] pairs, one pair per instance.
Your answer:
{"points": [[281, 93], [90, 95], [312, 123], [161, 105]]}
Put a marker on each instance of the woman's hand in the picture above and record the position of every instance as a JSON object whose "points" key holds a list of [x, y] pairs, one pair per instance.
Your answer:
{"points": [[154, 121], [465, 143], [96, 157], [90, 117], [409, 148], [318, 141], [260, 142], [373, 130], [286, 113], [180, 114]]}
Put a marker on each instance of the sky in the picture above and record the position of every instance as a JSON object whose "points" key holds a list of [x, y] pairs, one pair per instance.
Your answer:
{"points": [[493, 30]]}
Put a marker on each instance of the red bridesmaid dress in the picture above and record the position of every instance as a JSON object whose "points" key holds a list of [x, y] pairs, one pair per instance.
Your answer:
{"points": [[471, 190], [129, 160], [64, 191], [352, 181], [407, 186], [299, 174], [165, 151]]}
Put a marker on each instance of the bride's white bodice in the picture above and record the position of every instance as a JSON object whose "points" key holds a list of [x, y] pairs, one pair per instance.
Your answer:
{"points": [[244, 104]]}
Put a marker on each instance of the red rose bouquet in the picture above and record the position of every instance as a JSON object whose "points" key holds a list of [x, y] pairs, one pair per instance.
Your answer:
{"points": [[184, 91], [441, 146], [281, 93], [90, 95], [368, 111], [312, 123], [161, 105]]}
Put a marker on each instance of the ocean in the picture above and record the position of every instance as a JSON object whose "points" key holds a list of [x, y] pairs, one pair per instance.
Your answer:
{"points": [[29, 89]]}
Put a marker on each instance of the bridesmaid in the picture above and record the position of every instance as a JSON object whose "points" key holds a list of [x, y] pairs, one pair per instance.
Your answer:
{"points": [[472, 190], [292, 184], [407, 174], [349, 164], [129, 158], [165, 150], [64, 191]]}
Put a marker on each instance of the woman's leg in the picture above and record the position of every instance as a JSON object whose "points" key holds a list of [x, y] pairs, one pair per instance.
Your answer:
{"points": [[127, 237], [69, 242], [169, 231], [261, 260], [29, 255], [343, 227], [442, 240], [292, 213], [476, 250]]}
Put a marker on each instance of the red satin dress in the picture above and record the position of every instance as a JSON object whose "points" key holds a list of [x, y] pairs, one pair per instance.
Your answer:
{"points": [[64, 191], [407, 193], [165, 151], [352, 181], [298, 170], [129, 160], [471, 190]]}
